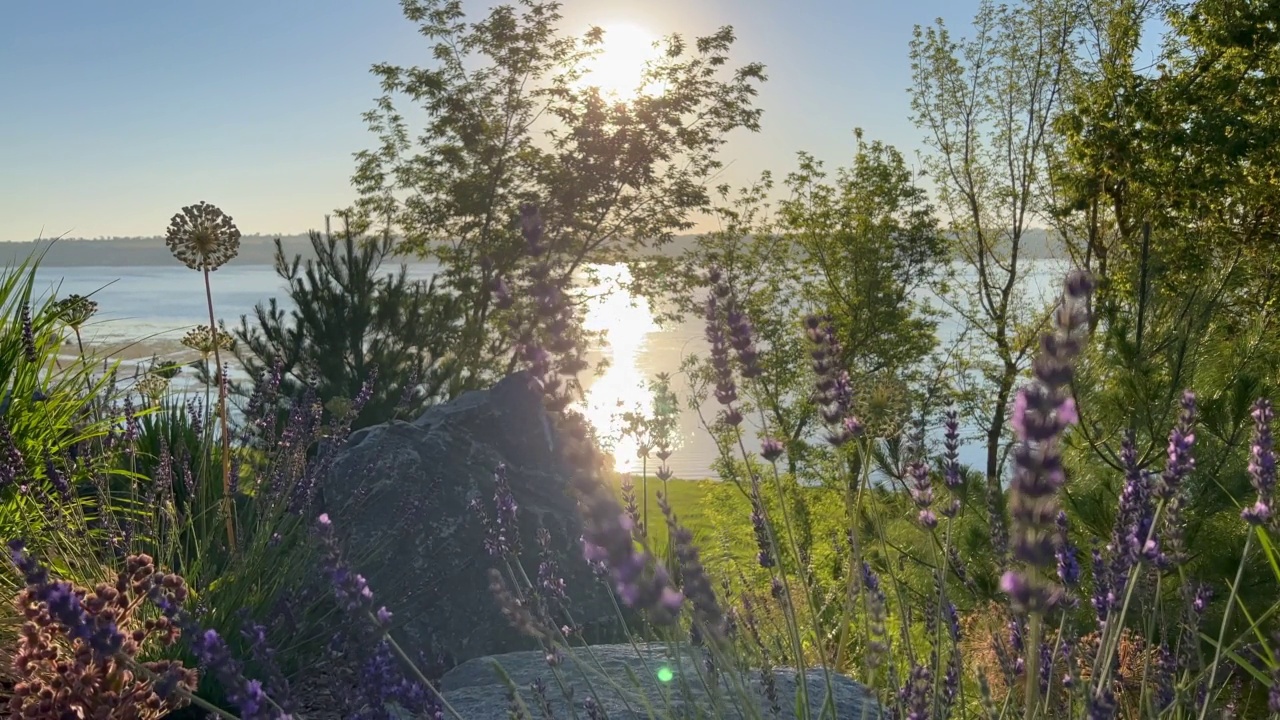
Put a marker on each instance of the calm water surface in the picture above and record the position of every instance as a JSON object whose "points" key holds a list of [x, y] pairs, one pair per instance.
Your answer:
{"points": [[162, 303]]}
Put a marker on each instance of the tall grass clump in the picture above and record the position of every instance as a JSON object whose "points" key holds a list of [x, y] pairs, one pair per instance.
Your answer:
{"points": [[1071, 628]]}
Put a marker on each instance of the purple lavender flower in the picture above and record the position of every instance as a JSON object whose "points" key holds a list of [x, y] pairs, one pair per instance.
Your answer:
{"points": [[833, 392], [770, 449], [740, 334], [56, 477], [1135, 514], [726, 388], [549, 579], [697, 586], [12, 464], [1262, 464], [877, 616], [917, 694], [608, 541], [1042, 412], [760, 525], [921, 488], [951, 449], [168, 592], [1182, 438], [1067, 555], [501, 532], [351, 589], [28, 335]]}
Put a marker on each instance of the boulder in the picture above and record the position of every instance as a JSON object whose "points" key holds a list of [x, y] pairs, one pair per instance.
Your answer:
{"points": [[626, 685], [400, 494]]}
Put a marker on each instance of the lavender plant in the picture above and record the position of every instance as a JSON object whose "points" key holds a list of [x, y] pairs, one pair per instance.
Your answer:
{"points": [[1126, 636]]}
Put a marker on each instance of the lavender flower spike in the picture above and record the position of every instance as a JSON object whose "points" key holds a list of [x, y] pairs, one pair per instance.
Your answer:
{"points": [[1042, 411], [1262, 464]]}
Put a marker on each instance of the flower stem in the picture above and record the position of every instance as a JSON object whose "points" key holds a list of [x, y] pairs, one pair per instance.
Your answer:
{"points": [[228, 505]]}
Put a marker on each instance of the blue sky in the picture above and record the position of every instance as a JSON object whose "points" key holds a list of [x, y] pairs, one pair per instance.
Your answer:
{"points": [[117, 114]]}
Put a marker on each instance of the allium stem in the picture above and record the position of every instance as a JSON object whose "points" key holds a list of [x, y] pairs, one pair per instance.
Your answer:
{"points": [[228, 505]]}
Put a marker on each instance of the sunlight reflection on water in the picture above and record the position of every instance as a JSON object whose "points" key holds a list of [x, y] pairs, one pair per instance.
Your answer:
{"points": [[624, 385]]}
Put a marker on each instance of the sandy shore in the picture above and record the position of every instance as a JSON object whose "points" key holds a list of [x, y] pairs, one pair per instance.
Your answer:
{"points": [[130, 350]]}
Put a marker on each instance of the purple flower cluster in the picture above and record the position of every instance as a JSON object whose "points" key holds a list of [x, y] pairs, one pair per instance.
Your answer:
{"points": [[920, 486], [12, 465], [833, 393], [76, 652], [707, 615], [1042, 411], [350, 588], [1262, 465], [726, 391], [611, 544], [1132, 538], [502, 535]]}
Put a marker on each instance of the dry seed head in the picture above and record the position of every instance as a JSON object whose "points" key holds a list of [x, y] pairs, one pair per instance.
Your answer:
{"points": [[202, 237], [152, 387], [202, 339], [75, 310]]}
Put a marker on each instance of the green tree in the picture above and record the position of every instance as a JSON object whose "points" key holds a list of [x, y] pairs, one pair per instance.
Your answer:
{"points": [[1166, 190], [509, 119], [349, 319], [986, 104], [857, 247]]}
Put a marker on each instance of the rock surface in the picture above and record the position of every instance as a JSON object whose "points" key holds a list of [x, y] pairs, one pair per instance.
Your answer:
{"points": [[476, 691], [399, 495]]}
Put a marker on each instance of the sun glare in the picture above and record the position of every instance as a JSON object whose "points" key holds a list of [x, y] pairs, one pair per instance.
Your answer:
{"points": [[619, 67]]}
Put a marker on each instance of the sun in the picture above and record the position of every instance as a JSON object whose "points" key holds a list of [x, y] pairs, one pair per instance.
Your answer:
{"points": [[618, 69]]}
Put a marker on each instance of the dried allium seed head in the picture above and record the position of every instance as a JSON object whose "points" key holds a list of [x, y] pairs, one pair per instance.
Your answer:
{"points": [[204, 340], [202, 237], [152, 387], [75, 310]]}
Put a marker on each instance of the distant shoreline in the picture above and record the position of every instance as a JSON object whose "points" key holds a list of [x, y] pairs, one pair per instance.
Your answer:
{"points": [[259, 251]]}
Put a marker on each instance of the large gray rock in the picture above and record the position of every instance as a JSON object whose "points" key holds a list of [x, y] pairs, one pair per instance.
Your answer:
{"points": [[399, 493], [625, 685]]}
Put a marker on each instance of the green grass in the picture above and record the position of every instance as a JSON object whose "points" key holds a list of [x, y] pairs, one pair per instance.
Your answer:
{"points": [[688, 499]]}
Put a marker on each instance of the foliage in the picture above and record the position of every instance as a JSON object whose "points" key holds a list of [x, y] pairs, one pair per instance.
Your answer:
{"points": [[350, 322], [511, 119], [986, 104]]}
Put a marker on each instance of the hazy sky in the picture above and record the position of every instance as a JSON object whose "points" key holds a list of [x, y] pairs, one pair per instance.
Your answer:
{"points": [[114, 115]]}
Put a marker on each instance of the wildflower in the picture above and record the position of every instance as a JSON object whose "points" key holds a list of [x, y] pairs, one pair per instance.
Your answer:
{"points": [[205, 340], [760, 525], [1042, 412], [1262, 464], [97, 675], [740, 333], [878, 640], [12, 464], [697, 586], [28, 335], [1181, 440], [351, 588], [726, 389], [75, 311], [1068, 564], [951, 450], [202, 237], [921, 489], [832, 390], [916, 694], [770, 449], [501, 533], [152, 388], [548, 571], [1135, 514]]}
